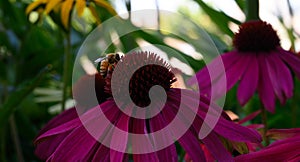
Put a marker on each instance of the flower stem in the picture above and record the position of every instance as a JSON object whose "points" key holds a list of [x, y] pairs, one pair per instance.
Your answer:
{"points": [[252, 10], [66, 75], [265, 123], [16, 139]]}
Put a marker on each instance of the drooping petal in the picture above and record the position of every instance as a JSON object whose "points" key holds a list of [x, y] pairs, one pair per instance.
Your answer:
{"points": [[189, 140], [265, 89], [192, 146], [235, 132], [64, 117], [203, 77], [75, 146], [120, 141], [233, 74], [139, 127], [60, 129], [249, 117], [102, 154], [284, 150], [284, 77], [271, 65], [145, 157], [216, 147], [92, 128], [45, 148], [292, 60], [223, 126], [167, 154], [248, 83]]}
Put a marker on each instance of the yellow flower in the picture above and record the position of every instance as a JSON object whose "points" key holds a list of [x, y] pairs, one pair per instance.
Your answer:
{"points": [[65, 7]]}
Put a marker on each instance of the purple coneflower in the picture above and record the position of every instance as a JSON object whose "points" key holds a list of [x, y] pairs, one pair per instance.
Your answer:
{"points": [[259, 63], [72, 137]]}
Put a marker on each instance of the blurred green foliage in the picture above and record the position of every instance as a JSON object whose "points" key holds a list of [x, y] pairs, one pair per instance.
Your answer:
{"points": [[29, 88]]}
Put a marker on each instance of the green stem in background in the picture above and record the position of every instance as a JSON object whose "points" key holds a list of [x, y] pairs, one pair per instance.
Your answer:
{"points": [[15, 138], [252, 10], [265, 123], [181, 155], [290, 29], [66, 75]]}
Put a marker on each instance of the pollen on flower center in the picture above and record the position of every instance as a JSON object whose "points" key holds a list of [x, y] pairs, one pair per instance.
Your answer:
{"points": [[255, 36], [153, 71], [145, 78]]}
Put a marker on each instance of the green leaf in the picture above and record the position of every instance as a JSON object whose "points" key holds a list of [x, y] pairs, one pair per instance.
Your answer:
{"points": [[241, 4], [218, 17], [15, 98]]}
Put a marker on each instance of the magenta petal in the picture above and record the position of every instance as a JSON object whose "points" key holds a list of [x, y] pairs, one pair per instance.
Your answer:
{"points": [[75, 146], [225, 128], [168, 154], [216, 147], [46, 147], [249, 117], [232, 131], [292, 60], [233, 73], [60, 129], [139, 126], [284, 77], [192, 146], [265, 88], [203, 75], [284, 150], [101, 155], [248, 83], [280, 77], [120, 141], [64, 117], [151, 157]]}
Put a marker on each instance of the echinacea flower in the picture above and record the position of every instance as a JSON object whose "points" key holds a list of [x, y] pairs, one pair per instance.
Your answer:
{"points": [[89, 137], [287, 150], [258, 63], [65, 7]]}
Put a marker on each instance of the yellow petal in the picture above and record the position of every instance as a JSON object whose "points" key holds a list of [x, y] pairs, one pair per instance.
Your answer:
{"points": [[65, 12], [106, 5], [34, 5], [80, 5], [95, 14], [50, 5]]}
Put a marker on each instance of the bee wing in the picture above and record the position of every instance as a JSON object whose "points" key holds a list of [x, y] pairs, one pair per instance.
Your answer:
{"points": [[99, 60]]}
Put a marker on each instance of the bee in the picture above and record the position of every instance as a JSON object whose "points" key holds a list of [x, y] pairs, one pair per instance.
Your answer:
{"points": [[107, 64]]}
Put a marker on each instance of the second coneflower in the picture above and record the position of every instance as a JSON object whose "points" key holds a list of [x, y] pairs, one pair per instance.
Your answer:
{"points": [[258, 63], [72, 140]]}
